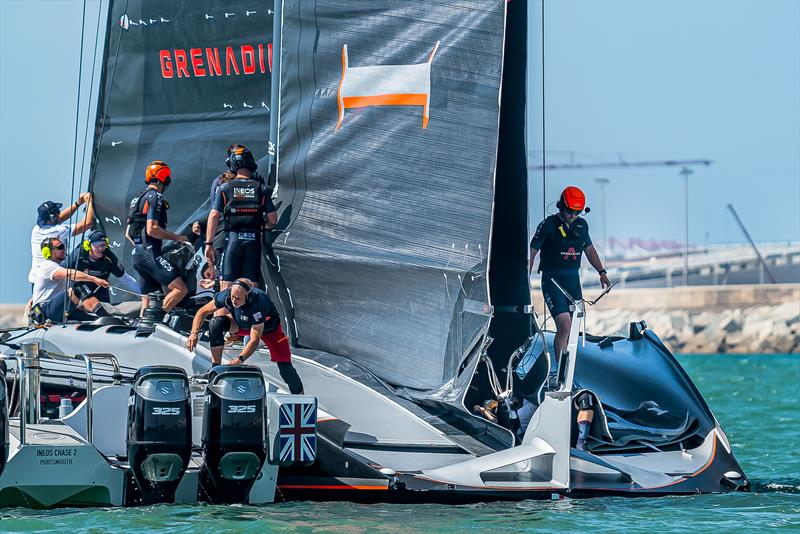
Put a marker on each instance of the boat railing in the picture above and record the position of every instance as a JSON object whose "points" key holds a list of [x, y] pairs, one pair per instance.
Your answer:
{"points": [[29, 359]]}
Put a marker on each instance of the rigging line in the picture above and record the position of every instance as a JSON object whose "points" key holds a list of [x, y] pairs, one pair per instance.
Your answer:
{"points": [[544, 144], [110, 85], [91, 86], [75, 143]]}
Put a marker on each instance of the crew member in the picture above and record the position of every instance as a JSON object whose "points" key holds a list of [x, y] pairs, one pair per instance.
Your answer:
{"points": [[246, 208], [562, 239], [584, 404], [247, 311], [50, 223], [49, 289], [147, 228], [94, 257]]}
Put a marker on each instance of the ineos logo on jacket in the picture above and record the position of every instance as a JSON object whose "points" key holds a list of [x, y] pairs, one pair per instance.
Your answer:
{"points": [[244, 192]]}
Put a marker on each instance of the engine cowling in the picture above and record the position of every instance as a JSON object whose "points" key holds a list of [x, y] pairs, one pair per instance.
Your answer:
{"points": [[159, 439], [234, 439]]}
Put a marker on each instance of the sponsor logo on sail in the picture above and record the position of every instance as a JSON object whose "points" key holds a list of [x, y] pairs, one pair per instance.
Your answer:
{"points": [[244, 60], [385, 85]]}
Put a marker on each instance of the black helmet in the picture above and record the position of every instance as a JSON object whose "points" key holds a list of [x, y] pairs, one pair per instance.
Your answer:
{"points": [[241, 158]]}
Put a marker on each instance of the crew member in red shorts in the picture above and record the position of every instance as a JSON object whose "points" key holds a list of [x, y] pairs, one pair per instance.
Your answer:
{"points": [[248, 312]]}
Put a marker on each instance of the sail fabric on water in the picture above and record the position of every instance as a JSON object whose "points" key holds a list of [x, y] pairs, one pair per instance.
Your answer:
{"points": [[182, 80], [387, 143]]}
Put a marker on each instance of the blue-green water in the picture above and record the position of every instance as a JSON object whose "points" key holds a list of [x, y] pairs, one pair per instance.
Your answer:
{"points": [[755, 398]]}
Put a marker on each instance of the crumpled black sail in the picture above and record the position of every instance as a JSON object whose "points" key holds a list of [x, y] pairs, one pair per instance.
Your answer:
{"points": [[387, 148]]}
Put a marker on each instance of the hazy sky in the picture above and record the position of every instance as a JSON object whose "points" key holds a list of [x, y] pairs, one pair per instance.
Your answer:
{"points": [[648, 79]]}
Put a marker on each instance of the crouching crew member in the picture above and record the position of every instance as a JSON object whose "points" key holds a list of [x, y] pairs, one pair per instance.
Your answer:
{"points": [[562, 239], [49, 288], [147, 228], [94, 257], [246, 209], [248, 312]]}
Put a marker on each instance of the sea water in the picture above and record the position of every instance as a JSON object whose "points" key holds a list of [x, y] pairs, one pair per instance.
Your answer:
{"points": [[756, 399]]}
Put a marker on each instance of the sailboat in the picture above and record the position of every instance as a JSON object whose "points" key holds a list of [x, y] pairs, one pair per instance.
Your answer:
{"points": [[399, 260]]}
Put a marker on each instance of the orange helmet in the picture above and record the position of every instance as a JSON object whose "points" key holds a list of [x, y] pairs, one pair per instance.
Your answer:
{"points": [[572, 198], [158, 170]]}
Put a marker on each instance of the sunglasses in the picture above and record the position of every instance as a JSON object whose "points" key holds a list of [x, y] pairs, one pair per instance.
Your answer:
{"points": [[572, 212], [59, 247]]}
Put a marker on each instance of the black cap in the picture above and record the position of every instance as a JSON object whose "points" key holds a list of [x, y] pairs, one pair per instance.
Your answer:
{"points": [[96, 237], [48, 212]]}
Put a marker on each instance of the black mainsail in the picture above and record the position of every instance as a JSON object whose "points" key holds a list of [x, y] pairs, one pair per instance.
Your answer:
{"points": [[182, 80]]}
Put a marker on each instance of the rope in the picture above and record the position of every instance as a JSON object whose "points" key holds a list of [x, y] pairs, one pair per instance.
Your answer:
{"points": [[75, 143], [544, 144]]}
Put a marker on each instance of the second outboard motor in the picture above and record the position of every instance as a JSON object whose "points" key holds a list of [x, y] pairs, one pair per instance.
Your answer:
{"points": [[3, 421], [159, 431], [234, 439]]}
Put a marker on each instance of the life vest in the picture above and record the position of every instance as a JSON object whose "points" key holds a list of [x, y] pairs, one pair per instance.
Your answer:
{"points": [[137, 219], [244, 207]]}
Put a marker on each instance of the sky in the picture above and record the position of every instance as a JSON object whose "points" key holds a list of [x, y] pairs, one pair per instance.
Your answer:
{"points": [[651, 80]]}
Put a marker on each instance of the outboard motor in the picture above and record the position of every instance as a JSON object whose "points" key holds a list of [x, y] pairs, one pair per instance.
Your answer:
{"points": [[234, 440], [3, 420], [159, 431]]}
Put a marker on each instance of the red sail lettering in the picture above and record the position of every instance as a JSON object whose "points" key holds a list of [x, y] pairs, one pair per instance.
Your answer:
{"points": [[197, 62], [270, 56], [212, 58], [261, 57], [248, 59], [230, 59], [180, 63], [166, 64]]}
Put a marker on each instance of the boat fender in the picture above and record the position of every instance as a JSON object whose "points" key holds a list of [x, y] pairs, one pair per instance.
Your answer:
{"points": [[217, 327]]}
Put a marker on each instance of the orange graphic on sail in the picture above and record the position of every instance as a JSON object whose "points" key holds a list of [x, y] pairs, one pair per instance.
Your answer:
{"points": [[385, 85]]}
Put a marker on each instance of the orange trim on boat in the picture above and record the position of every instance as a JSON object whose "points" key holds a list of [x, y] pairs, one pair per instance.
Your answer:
{"points": [[331, 487]]}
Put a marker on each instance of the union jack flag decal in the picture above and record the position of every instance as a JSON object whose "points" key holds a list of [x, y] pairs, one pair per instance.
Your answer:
{"points": [[298, 432]]}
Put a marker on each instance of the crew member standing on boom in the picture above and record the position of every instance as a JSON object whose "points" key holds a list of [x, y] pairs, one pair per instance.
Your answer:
{"points": [[147, 227], [246, 209], [562, 239]]}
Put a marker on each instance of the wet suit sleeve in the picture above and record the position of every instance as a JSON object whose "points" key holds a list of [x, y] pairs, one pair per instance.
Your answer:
{"points": [[219, 203], [540, 236], [587, 241], [115, 266], [212, 194], [155, 205], [220, 298]]}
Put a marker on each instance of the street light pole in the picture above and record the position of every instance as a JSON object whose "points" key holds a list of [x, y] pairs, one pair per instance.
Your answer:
{"points": [[603, 183], [686, 172]]}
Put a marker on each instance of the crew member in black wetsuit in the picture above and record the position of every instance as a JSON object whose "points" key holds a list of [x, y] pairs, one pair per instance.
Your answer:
{"points": [[246, 208], [562, 239], [94, 257], [147, 227], [247, 311]]}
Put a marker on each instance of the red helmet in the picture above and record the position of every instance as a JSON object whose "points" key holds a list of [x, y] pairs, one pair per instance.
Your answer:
{"points": [[158, 170], [572, 198]]}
